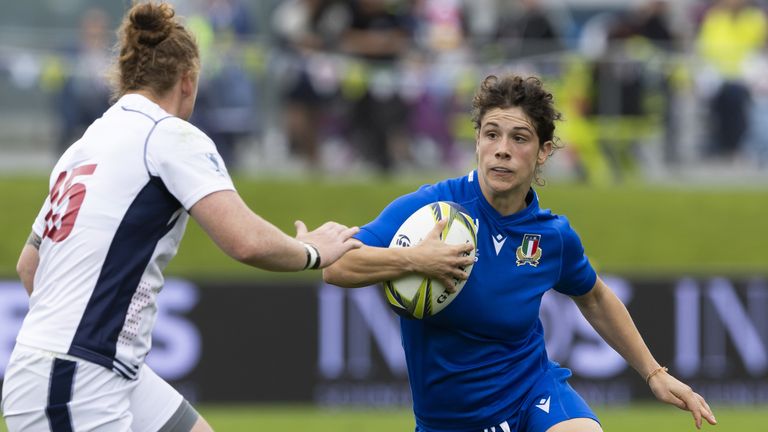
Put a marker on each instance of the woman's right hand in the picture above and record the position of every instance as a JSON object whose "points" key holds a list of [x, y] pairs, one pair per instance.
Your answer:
{"points": [[443, 262]]}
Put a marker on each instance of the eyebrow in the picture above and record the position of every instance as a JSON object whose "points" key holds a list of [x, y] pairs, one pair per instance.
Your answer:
{"points": [[496, 125]]}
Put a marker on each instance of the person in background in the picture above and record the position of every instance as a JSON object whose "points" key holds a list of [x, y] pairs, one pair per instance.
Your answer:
{"points": [[530, 32], [119, 202], [378, 35], [227, 103], [477, 366], [84, 94], [307, 30], [731, 32]]}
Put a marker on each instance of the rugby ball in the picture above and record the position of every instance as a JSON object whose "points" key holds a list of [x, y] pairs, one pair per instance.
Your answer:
{"points": [[416, 296]]}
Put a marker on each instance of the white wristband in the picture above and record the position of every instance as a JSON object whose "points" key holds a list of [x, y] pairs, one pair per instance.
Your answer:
{"points": [[313, 257]]}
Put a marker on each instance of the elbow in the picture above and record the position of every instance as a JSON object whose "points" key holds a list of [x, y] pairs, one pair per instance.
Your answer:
{"points": [[246, 253]]}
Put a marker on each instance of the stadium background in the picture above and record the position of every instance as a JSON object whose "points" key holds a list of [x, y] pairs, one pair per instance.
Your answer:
{"points": [[679, 232]]}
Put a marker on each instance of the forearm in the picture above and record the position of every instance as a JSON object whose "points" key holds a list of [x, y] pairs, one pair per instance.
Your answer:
{"points": [[368, 266], [246, 236], [610, 318], [266, 247]]}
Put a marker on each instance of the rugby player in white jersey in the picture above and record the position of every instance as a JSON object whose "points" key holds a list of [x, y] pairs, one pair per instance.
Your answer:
{"points": [[119, 202]]}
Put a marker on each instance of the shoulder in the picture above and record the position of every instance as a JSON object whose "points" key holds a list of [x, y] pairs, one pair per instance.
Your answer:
{"points": [[454, 189], [559, 223], [177, 135]]}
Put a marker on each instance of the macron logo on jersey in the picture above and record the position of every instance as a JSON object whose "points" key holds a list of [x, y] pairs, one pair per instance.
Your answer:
{"points": [[215, 161], [498, 243], [544, 405]]}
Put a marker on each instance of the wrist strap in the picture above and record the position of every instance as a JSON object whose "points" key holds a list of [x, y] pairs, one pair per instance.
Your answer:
{"points": [[654, 372], [313, 257]]}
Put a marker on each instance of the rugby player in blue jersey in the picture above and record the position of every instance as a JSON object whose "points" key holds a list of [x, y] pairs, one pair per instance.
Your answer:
{"points": [[480, 364]]}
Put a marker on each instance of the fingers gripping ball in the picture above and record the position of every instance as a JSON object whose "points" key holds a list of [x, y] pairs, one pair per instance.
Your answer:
{"points": [[417, 296]]}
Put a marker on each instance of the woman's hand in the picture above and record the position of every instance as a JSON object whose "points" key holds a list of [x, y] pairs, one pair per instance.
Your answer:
{"points": [[669, 389]]}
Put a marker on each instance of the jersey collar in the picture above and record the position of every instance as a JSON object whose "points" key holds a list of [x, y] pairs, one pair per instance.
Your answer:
{"points": [[531, 199]]}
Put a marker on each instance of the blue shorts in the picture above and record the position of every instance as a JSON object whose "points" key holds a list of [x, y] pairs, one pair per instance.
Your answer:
{"points": [[551, 401]]}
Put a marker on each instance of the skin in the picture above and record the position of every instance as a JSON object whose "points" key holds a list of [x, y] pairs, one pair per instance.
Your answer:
{"points": [[508, 151], [237, 230]]}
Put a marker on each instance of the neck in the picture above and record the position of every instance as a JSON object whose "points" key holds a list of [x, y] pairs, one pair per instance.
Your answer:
{"points": [[170, 102]]}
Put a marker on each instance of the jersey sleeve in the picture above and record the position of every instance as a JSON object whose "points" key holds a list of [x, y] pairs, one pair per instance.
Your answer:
{"points": [[379, 232], [577, 276], [187, 161], [38, 227]]}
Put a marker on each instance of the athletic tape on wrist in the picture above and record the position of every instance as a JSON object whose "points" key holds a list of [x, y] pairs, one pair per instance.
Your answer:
{"points": [[313, 257]]}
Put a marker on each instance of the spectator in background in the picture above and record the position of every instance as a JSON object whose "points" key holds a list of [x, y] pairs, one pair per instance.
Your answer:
{"points": [[437, 69], [756, 141], [84, 95], [379, 34], [651, 22], [227, 98], [731, 31], [530, 31], [305, 29], [230, 16]]}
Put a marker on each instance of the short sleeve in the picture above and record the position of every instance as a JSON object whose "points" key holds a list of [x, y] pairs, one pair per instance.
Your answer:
{"points": [[38, 227], [379, 232], [187, 161], [577, 276]]}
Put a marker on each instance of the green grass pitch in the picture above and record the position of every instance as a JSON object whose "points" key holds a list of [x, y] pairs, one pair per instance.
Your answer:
{"points": [[635, 418]]}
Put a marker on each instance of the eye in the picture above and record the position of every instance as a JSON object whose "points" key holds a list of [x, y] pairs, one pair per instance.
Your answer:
{"points": [[491, 135], [521, 138]]}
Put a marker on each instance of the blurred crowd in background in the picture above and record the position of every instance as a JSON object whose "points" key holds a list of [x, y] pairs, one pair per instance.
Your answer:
{"points": [[648, 88]]}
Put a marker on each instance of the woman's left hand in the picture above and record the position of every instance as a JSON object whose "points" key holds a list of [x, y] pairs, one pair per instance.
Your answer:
{"points": [[669, 389]]}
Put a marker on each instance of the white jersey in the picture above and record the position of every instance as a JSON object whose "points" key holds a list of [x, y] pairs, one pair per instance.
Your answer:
{"points": [[115, 215]]}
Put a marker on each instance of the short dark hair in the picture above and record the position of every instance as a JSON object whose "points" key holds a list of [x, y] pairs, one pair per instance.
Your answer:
{"points": [[516, 91]]}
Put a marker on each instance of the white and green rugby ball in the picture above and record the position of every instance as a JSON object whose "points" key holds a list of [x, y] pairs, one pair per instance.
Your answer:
{"points": [[417, 296]]}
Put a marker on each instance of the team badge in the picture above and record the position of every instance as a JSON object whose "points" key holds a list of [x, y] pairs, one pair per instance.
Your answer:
{"points": [[529, 251]]}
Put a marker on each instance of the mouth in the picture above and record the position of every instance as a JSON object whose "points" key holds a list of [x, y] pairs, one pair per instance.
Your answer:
{"points": [[502, 170]]}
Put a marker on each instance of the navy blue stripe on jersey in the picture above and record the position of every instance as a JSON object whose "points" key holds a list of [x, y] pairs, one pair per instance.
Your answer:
{"points": [[132, 368], [146, 141], [59, 395], [124, 370], [123, 374], [147, 220]]}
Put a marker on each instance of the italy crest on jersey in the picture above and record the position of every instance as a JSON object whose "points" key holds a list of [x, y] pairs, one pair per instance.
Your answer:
{"points": [[529, 251]]}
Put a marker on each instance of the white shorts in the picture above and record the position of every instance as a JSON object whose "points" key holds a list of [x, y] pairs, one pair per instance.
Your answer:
{"points": [[44, 391]]}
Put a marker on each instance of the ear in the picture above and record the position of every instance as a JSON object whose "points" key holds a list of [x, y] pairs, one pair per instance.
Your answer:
{"points": [[545, 150], [188, 83]]}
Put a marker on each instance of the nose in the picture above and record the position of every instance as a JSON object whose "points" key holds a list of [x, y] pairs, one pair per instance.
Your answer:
{"points": [[502, 152]]}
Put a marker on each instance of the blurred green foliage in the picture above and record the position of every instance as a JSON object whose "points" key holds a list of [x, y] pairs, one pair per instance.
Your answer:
{"points": [[628, 230]]}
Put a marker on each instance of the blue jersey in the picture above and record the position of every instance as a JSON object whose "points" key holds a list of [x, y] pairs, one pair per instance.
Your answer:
{"points": [[473, 364]]}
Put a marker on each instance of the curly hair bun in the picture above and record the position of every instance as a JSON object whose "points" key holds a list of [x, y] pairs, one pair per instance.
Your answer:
{"points": [[152, 22]]}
